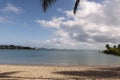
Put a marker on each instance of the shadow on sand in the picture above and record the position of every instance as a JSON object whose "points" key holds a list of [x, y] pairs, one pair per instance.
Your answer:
{"points": [[96, 73], [7, 76], [113, 72]]}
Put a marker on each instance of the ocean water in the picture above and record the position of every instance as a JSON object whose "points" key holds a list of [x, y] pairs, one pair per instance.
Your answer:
{"points": [[57, 57]]}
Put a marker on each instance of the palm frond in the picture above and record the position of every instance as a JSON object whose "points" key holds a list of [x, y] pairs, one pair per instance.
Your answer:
{"points": [[46, 4], [76, 6]]}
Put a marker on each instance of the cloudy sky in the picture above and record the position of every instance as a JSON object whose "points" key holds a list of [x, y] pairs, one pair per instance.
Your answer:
{"points": [[97, 22]]}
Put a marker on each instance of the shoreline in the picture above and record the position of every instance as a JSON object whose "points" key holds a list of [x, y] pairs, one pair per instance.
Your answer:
{"points": [[53, 65], [43, 72]]}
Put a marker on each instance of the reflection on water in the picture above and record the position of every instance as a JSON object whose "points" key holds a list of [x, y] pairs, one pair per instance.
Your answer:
{"points": [[49, 57]]}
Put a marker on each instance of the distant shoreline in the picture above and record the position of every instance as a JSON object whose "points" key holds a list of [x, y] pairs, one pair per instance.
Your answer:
{"points": [[83, 65], [19, 47], [16, 47]]}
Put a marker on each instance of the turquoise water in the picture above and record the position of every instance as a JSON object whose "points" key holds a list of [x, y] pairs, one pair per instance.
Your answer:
{"points": [[52, 57]]}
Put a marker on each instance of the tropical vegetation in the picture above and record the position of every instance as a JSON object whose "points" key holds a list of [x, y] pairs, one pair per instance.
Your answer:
{"points": [[48, 3], [115, 50], [14, 47]]}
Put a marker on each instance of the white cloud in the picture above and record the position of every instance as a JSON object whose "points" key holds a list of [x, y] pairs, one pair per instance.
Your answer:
{"points": [[11, 8], [53, 23], [3, 19], [94, 25]]}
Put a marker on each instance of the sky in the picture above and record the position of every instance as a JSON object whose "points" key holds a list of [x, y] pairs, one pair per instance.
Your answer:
{"points": [[96, 23]]}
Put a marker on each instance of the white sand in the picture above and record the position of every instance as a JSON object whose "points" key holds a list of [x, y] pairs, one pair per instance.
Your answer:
{"points": [[22, 72]]}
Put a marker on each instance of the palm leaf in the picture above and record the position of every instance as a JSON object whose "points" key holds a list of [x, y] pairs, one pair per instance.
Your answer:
{"points": [[46, 4], [76, 6]]}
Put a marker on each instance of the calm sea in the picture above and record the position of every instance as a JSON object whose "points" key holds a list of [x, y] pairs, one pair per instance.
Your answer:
{"points": [[57, 57]]}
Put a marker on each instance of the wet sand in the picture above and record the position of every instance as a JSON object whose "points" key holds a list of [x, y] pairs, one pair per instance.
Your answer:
{"points": [[25, 72]]}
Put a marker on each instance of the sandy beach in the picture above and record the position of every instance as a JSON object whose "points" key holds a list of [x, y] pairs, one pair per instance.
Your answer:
{"points": [[25, 72]]}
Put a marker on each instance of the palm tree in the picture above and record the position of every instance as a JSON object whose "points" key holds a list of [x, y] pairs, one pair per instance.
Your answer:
{"points": [[48, 3], [107, 46]]}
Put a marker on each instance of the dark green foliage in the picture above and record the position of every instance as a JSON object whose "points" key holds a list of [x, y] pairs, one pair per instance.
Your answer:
{"points": [[114, 46], [107, 46], [76, 6], [48, 3], [14, 47], [119, 46], [114, 51]]}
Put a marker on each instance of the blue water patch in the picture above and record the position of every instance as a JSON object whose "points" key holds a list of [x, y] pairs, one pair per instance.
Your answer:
{"points": [[57, 57]]}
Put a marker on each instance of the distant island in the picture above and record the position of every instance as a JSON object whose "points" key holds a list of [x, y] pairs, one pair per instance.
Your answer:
{"points": [[54, 49], [15, 47], [115, 50], [30, 48]]}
